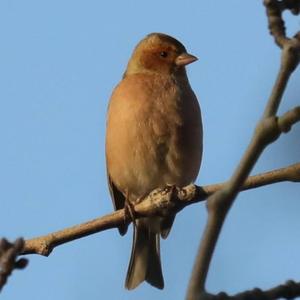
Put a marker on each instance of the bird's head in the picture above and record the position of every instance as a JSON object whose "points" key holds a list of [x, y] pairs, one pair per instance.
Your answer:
{"points": [[159, 53]]}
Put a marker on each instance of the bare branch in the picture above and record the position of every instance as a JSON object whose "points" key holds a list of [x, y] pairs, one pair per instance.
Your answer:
{"points": [[288, 119], [274, 9], [159, 202], [8, 258], [289, 290], [267, 131]]}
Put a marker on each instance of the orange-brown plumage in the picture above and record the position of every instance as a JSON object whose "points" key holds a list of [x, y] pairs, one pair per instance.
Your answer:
{"points": [[154, 138]]}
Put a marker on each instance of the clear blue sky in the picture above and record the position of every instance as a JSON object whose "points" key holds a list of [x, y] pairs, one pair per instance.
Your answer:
{"points": [[59, 61]]}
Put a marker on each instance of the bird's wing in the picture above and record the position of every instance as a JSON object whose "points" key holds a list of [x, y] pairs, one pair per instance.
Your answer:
{"points": [[118, 201], [166, 225]]}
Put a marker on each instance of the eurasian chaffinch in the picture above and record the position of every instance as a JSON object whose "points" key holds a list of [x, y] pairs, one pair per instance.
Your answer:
{"points": [[153, 139]]}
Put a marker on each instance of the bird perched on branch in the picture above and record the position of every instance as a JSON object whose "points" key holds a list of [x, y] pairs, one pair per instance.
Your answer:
{"points": [[153, 139]]}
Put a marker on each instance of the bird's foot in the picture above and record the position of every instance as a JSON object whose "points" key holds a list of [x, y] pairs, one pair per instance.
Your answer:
{"points": [[129, 211], [171, 188]]}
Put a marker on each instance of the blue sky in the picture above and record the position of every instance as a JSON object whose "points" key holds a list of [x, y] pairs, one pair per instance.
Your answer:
{"points": [[59, 62]]}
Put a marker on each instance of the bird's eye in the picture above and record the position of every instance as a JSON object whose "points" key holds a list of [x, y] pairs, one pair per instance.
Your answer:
{"points": [[163, 54]]}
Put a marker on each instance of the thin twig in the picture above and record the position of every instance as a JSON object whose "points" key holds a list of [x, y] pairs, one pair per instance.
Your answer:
{"points": [[289, 290], [158, 202], [8, 258], [267, 131]]}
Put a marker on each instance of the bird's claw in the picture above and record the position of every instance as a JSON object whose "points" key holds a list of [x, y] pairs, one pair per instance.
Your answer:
{"points": [[129, 212], [172, 189]]}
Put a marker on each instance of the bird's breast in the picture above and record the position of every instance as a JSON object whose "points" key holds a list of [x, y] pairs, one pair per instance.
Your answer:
{"points": [[154, 134]]}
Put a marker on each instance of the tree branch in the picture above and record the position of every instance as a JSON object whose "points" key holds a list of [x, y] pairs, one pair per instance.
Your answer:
{"points": [[8, 259], [289, 290], [159, 202], [267, 131]]}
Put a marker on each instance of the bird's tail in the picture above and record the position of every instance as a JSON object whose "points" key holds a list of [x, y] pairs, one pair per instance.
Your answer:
{"points": [[145, 257]]}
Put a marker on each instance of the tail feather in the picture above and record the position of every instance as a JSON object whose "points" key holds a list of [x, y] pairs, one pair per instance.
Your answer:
{"points": [[166, 226], [154, 274], [145, 262]]}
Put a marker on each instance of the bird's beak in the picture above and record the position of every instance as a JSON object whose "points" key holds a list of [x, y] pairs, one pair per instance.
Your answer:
{"points": [[185, 59]]}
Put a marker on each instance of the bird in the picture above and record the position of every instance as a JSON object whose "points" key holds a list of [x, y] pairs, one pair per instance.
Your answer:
{"points": [[153, 139]]}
